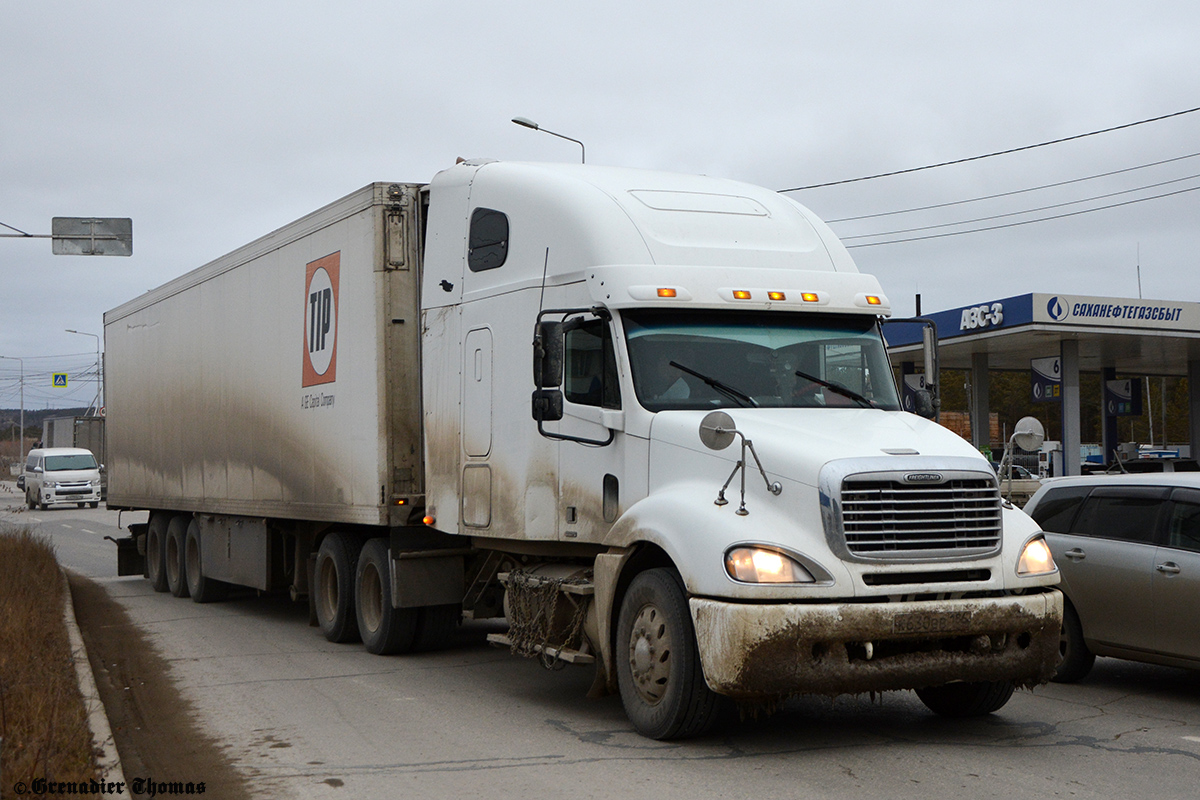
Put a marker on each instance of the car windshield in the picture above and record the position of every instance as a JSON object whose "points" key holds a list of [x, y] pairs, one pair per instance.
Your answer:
{"points": [[712, 359], [79, 461]]}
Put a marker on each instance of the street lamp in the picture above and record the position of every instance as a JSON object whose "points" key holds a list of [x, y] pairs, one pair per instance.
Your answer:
{"points": [[21, 446], [528, 123], [99, 376]]}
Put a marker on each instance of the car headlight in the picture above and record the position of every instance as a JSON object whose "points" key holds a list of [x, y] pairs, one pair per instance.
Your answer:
{"points": [[50, 485], [1035, 558], [761, 565]]}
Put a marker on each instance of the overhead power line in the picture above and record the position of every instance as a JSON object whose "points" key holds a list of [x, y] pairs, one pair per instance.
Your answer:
{"points": [[994, 154], [1025, 222], [1054, 185], [1025, 211]]}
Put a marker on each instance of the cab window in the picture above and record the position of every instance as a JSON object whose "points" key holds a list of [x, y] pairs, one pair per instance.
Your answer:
{"points": [[590, 366]]}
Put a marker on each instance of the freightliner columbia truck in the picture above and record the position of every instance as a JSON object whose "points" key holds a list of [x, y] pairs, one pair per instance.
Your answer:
{"points": [[648, 418]]}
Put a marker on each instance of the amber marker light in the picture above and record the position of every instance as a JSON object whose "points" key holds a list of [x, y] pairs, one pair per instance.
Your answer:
{"points": [[777, 295], [741, 294], [666, 292], [809, 297], [428, 519], [872, 300]]}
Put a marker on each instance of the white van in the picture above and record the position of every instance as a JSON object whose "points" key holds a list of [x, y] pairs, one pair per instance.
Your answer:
{"points": [[62, 475]]}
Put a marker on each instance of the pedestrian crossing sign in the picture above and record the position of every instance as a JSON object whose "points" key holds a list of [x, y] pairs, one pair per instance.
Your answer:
{"points": [[60, 379]]}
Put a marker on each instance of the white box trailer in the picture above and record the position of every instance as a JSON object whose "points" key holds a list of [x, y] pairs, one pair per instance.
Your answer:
{"points": [[647, 417]]}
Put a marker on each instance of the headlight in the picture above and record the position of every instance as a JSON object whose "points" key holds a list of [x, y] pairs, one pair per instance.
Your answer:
{"points": [[1036, 558], [760, 565]]}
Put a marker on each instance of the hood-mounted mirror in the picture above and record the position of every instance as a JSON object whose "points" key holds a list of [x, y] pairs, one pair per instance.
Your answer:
{"points": [[717, 432]]}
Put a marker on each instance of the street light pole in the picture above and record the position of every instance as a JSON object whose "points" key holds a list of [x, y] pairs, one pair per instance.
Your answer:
{"points": [[21, 446], [99, 376], [528, 123]]}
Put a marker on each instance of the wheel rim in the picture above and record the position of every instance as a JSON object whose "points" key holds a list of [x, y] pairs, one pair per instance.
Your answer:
{"points": [[650, 654], [329, 589], [370, 598], [153, 554], [172, 559]]}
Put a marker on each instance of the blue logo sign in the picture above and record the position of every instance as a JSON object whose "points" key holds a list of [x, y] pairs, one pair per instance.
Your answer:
{"points": [[1057, 309]]}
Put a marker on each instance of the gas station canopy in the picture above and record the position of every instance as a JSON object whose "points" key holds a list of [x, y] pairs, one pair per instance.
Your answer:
{"points": [[1109, 335]]}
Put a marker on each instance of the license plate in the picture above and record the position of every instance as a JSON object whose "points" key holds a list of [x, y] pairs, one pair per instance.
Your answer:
{"points": [[931, 621]]}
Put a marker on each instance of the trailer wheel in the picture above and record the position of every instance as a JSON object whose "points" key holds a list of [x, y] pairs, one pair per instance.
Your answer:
{"points": [[156, 548], [385, 630], [658, 666], [176, 536], [333, 589], [1077, 659], [436, 627], [966, 699], [202, 589]]}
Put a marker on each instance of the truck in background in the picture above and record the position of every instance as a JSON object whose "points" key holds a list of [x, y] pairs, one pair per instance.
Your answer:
{"points": [[86, 433], [648, 418]]}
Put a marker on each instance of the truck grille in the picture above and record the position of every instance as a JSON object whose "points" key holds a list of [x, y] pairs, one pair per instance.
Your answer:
{"points": [[883, 519]]}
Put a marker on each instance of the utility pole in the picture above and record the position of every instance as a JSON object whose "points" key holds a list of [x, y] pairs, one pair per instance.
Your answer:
{"points": [[21, 446]]}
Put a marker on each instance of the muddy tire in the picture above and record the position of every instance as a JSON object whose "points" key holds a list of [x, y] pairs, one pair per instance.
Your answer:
{"points": [[658, 666], [436, 627], [175, 568], [201, 588], [1077, 659], [384, 630], [333, 587], [156, 552], [966, 699]]}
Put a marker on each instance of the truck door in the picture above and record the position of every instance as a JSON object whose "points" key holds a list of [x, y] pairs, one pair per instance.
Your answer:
{"points": [[591, 476]]}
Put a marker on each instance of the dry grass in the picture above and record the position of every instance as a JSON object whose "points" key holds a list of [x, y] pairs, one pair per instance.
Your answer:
{"points": [[42, 720]]}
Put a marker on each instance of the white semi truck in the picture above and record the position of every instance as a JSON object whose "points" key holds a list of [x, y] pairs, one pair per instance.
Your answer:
{"points": [[649, 418]]}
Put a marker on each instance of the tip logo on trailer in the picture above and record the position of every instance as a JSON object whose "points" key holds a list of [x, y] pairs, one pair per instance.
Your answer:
{"points": [[320, 320]]}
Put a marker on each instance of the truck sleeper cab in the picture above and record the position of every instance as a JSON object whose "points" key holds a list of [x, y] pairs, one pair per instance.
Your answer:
{"points": [[713, 494]]}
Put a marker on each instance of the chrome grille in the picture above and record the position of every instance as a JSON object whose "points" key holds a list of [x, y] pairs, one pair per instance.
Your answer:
{"points": [[885, 518]]}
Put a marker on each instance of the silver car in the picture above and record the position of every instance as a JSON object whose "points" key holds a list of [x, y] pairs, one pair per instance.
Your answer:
{"points": [[1128, 548]]}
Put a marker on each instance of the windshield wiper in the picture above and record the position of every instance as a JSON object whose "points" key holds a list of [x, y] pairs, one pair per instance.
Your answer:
{"points": [[723, 388], [842, 390]]}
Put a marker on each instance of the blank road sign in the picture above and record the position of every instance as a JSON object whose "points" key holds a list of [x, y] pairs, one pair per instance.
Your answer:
{"points": [[92, 236]]}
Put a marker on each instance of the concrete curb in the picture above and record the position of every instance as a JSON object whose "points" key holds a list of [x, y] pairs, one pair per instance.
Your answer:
{"points": [[107, 758]]}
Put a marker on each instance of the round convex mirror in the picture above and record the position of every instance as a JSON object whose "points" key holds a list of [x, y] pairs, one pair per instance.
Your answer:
{"points": [[716, 430]]}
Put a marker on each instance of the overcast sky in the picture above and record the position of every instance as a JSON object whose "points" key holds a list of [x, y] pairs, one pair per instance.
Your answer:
{"points": [[213, 123]]}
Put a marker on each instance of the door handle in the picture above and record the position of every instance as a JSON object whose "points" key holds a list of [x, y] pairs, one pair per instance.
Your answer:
{"points": [[1075, 554], [1170, 568]]}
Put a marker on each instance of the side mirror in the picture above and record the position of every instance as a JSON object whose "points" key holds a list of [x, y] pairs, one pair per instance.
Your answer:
{"points": [[548, 357], [547, 405], [717, 430], [1029, 434], [38, 470], [923, 398]]}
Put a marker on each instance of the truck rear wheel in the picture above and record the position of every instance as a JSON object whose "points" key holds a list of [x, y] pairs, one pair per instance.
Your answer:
{"points": [[384, 630], [176, 535], [156, 549], [966, 699], [658, 666], [202, 589], [333, 589]]}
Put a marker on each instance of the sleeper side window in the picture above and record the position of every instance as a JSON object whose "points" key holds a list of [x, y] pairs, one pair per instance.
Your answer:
{"points": [[487, 244]]}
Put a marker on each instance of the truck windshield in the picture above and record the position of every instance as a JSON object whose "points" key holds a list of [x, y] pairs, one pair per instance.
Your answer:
{"points": [[712, 359], [61, 463]]}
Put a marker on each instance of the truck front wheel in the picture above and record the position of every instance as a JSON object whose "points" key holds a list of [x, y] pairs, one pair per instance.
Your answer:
{"points": [[333, 589], [385, 630], [966, 699], [156, 540], [175, 568], [658, 666]]}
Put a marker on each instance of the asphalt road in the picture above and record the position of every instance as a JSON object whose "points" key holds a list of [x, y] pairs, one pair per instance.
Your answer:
{"points": [[307, 719]]}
